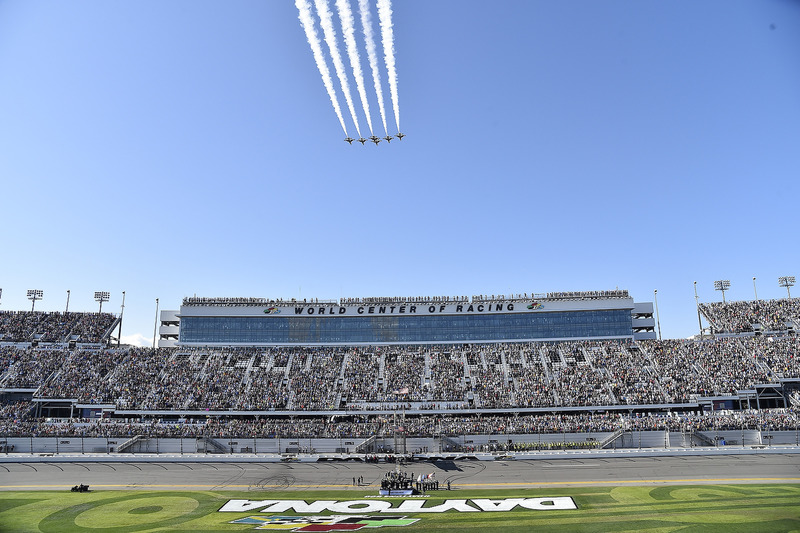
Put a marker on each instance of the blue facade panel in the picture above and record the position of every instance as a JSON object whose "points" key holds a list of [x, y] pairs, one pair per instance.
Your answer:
{"points": [[405, 329]]}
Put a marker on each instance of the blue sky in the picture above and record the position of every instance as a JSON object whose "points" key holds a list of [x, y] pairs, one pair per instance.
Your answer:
{"points": [[175, 148]]}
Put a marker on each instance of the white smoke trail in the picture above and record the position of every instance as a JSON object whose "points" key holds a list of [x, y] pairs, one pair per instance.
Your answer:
{"points": [[313, 39], [349, 30], [387, 38], [326, 21], [372, 53]]}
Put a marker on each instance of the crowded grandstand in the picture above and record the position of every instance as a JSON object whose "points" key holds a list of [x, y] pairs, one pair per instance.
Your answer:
{"points": [[61, 374]]}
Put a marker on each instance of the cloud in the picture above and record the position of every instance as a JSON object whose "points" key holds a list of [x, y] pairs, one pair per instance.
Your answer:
{"points": [[137, 339]]}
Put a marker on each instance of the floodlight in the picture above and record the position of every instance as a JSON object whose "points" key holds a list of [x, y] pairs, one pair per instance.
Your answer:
{"points": [[33, 295], [786, 281], [101, 296], [722, 285], [697, 304], [658, 319]]}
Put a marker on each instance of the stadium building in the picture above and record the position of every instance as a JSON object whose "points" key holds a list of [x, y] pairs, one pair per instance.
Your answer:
{"points": [[555, 316], [464, 375]]}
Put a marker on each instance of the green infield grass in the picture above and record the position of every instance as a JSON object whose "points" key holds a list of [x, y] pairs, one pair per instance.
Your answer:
{"points": [[686, 508]]}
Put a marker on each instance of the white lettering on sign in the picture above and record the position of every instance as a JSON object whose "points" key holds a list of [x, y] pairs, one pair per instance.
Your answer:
{"points": [[548, 504], [406, 506], [416, 506], [360, 506], [241, 506]]}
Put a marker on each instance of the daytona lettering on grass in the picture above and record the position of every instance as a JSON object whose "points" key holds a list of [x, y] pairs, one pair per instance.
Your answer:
{"points": [[406, 506]]}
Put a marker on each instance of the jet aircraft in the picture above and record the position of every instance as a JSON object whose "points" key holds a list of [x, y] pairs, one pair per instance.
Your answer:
{"points": [[349, 140], [388, 138], [400, 135], [375, 139], [362, 140]]}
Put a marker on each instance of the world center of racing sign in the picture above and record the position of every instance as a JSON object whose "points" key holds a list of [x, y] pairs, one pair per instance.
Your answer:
{"points": [[350, 517]]}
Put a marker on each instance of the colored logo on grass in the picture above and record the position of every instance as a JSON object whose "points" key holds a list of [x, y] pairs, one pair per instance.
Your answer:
{"points": [[535, 305], [272, 311], [324, 523]]}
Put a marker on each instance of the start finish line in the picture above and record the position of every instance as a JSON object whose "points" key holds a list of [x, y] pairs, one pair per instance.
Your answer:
{"points": [[406, 506]]}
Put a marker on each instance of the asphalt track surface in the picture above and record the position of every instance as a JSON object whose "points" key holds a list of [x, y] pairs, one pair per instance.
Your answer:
{"points": [[473, 475]]}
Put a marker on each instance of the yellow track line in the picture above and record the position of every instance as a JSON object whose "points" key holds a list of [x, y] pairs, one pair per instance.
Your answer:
{"points": [[477, 485]]}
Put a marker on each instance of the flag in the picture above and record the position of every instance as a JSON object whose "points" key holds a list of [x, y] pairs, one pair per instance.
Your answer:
{"points": [[404, 390]]}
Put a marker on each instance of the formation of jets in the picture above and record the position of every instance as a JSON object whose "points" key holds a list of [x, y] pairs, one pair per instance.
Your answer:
{"points": [[374, 138]]}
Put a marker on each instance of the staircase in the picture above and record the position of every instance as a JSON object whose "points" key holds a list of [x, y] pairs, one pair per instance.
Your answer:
{"points": [[453, 444], [122, 448], [703, 438], [365, 445], [209, 445], [606, 442]]}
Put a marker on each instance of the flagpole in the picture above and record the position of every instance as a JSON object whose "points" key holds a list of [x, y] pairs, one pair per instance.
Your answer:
{"points": [[403, 420]]}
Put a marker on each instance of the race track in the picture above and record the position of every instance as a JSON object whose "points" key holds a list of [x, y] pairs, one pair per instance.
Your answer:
{"points": [[218, 475]]}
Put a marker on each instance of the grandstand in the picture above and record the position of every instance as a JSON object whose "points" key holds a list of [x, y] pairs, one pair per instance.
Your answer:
{"points": [[85, 329], [599, 378], [753, 317]]}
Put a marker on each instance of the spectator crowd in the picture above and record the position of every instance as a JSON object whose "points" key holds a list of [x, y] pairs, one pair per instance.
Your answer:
{"points": [[260, 386], [485, 376], [16, 421], [744, 316], [54, 327]]}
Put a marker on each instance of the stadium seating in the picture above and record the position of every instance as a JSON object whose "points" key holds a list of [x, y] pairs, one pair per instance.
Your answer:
{"points": [[42, 327], [366, 382], [758, 315], [509, 375]]}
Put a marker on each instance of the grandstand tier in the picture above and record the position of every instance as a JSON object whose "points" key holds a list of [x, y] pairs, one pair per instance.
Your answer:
{"points": [[752, 317], [36, 327], [730, 373], [345, 388]]}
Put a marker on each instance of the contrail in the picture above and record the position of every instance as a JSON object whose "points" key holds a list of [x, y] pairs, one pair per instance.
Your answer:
{"points": [[372, 53], [348, 30], [313, 39], [326, 21], [387, 38]]}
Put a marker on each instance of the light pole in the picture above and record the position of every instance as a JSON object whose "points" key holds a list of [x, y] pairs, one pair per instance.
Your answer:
{"points": [[121, 314], [786, 281], [658, 320], [33, 295], [754, 288], [155, 325], [66, 309], [101, 296], [722, 285], [697, 303]]}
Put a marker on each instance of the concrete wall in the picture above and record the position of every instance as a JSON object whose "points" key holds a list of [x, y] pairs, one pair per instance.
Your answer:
{"points": [[633, 440]]}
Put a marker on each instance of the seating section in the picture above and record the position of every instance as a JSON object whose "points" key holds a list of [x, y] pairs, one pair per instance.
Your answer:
{"points": [[363, 427], [487, 376], [742, 317], [24, 326], [294, 391]]}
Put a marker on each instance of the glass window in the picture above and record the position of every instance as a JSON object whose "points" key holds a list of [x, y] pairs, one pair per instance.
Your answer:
{"points": [[406, 329]]}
